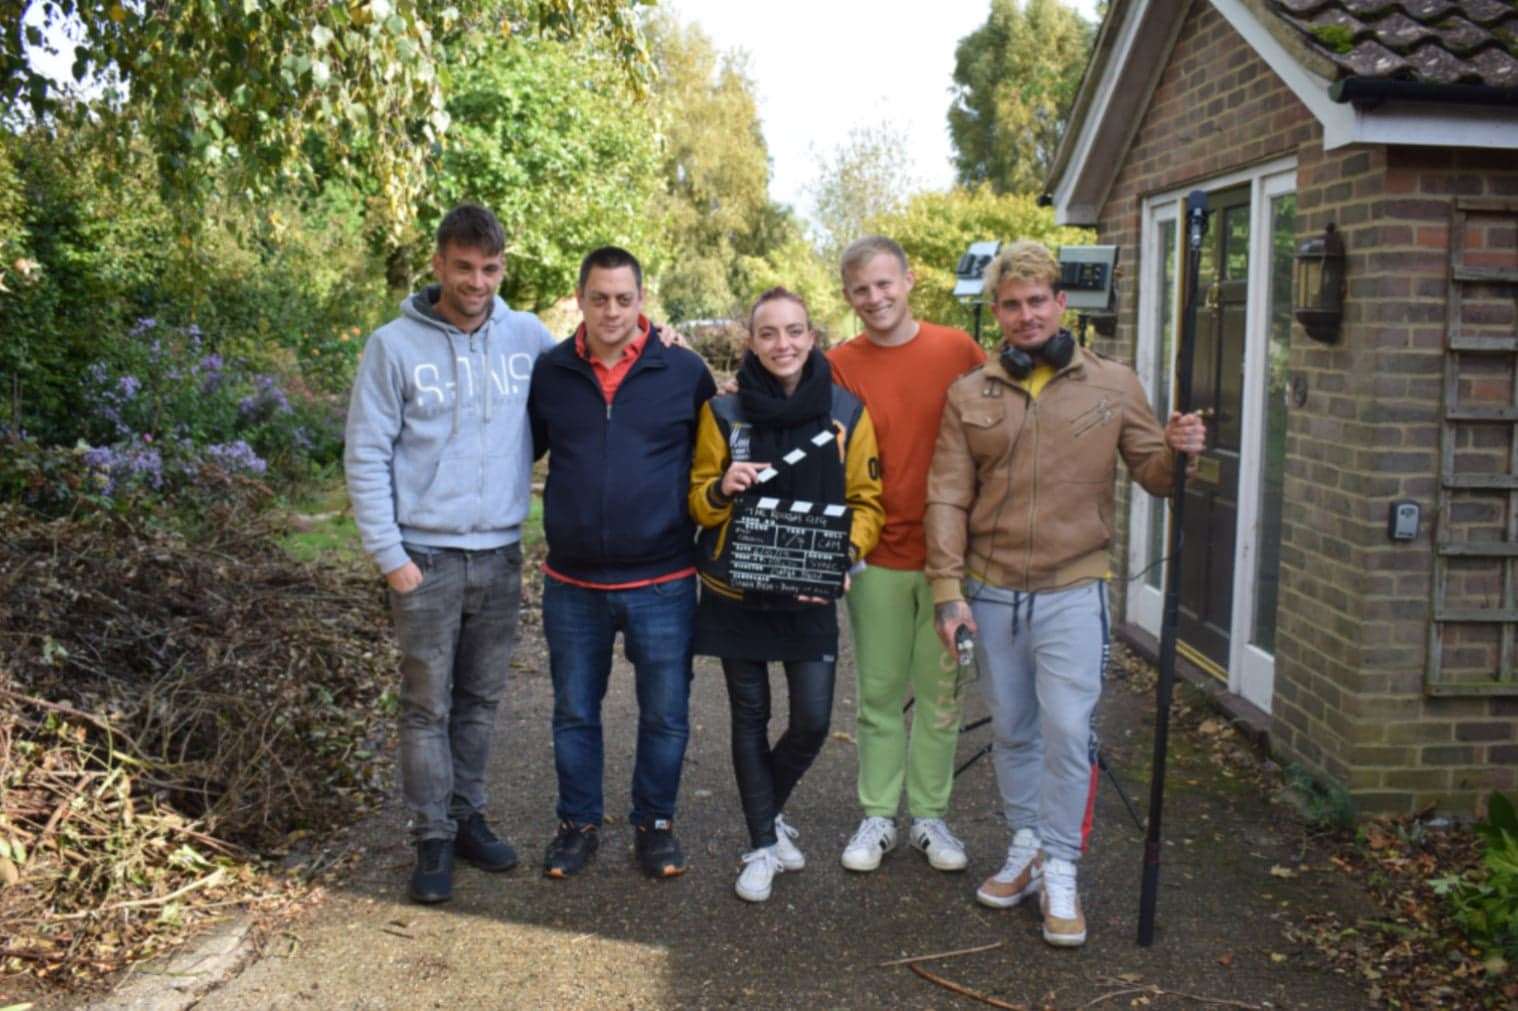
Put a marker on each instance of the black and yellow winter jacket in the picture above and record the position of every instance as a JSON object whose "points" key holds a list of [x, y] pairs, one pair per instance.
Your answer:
{"points": [[720, 440]]}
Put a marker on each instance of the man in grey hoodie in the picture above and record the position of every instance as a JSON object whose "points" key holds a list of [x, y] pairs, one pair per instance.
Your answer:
{"points": [[439, 463]]}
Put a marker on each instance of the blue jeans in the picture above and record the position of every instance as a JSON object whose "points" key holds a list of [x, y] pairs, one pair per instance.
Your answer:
{"points": [[456, 632], [580, 625]]}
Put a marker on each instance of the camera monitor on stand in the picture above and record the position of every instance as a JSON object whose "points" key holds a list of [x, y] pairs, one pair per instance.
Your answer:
{"points": [[1088, 277], [970, 276]]}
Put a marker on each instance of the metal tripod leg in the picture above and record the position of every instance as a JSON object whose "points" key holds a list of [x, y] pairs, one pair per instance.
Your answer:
{"points": [[985, 750], [1101, 763]]}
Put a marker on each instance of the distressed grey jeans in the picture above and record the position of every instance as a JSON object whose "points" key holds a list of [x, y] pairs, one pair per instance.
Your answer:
{"points": [[1042, 657], [456, 631]]}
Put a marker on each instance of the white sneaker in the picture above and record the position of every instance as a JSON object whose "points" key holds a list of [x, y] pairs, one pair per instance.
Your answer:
{"points": [[1064, 923], [759, 869], [791, 858], [876, 837], [943, 849], [1021, 876]]}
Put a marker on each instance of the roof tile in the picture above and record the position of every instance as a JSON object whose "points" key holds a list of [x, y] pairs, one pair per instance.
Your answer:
{"points": [[1333, 17], [1498, 68], [1440, 66], [1428, 11], [1367, 8], [1432, 41], [1485, 12], [1461, 36], [1372, 59], [1399, 33]]}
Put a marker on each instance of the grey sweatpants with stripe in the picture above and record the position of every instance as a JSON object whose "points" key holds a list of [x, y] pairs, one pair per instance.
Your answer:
{"points": [[1042, 657]]}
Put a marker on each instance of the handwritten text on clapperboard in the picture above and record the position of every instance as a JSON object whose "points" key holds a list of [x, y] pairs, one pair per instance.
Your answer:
{"points": [[780, 546]]}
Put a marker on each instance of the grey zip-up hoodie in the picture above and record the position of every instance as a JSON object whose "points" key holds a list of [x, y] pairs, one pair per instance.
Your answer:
{"points": [[439, 451]]}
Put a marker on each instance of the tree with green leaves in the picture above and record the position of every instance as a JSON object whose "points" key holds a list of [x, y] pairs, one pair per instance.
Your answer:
{"points": [[551, 137], [865, 177], [1015, 78], [715, 205], [265, 89], [935, 229], [793, 262]]}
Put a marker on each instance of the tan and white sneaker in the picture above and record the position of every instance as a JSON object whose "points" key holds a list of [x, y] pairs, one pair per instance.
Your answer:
{"points": [[1020, 877], [1064, 923]]}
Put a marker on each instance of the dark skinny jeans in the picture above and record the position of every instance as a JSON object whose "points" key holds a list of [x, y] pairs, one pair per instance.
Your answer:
{"points": [[767, 775]]}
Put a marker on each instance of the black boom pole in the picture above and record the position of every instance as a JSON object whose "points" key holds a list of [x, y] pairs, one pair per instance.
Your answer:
{"points": [[1196, 226]]}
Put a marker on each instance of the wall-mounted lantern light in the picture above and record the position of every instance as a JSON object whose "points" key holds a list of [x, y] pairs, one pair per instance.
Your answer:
{"points": [[1320, 285]]}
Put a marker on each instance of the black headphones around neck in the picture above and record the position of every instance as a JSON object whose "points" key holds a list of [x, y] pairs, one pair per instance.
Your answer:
{"points": [[1056, 351]]}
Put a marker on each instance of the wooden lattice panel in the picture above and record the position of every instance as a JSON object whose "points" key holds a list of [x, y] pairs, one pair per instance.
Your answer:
{"points": [[1473, 633]]}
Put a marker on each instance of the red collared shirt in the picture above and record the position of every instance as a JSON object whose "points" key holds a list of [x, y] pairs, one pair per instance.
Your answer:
{"points": [[610, 377]]}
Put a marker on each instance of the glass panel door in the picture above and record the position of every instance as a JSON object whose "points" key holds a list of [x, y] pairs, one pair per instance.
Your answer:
{"points": [[1168, 248], [1273, 453]]}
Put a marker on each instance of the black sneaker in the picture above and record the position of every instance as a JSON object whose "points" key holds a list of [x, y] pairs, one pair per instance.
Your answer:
{"points": [[432, 880], [571, 850], [478, 845], [658, 851]]}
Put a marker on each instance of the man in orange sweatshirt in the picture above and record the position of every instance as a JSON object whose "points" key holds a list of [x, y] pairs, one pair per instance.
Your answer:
{"points": [[901, 368]]}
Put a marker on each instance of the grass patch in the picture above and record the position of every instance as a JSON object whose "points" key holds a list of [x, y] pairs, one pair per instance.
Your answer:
{"points": [[1323, 803], [532, 526], [321, 525]]}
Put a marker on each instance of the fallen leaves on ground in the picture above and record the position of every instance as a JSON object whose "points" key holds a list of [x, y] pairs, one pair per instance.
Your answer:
{"points": [[1408, 951]]}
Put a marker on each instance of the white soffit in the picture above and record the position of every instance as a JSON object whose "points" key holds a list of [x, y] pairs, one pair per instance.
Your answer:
{"points": [[1120, 96]]}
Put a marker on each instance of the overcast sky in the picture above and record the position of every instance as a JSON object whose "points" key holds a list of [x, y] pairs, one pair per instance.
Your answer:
{"points": [[822, 67]]}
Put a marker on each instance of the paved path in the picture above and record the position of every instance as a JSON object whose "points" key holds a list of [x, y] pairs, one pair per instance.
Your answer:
{"points": [[611, 938]]}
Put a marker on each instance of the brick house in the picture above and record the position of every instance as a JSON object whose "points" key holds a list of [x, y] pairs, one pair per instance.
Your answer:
{"points": [[1387, 667]]}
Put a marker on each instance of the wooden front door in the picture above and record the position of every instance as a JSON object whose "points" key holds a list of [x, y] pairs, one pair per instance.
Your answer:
{"points": [[1212, 493]]}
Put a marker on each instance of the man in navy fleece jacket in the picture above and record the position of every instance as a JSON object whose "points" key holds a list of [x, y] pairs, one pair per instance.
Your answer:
{"points": [[616, 412]]}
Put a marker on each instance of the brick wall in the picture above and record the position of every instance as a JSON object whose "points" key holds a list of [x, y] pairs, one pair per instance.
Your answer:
{"points": [[1406, 749], [1352, 624], [1217, 108]]}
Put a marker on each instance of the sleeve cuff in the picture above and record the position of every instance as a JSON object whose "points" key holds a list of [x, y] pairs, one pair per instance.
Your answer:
{"points": [[714, 496], [391, 558], [946, 590]]}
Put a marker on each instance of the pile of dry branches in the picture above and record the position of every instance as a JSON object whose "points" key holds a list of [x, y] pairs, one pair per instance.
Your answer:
{"points": [[173, 713]]}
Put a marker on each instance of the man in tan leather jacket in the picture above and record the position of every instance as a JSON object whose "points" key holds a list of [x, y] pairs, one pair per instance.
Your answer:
{"points": [[1019, 519]]}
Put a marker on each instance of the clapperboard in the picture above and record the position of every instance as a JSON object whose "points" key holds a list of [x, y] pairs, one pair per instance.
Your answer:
{"points": [[789, 546]]}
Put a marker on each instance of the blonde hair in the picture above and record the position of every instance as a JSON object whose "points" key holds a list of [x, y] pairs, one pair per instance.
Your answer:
{"points": [[1024, 260], [862, 251]]}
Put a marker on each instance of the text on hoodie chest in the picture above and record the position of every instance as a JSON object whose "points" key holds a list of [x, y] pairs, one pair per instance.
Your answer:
{"points": [[506, 374]]}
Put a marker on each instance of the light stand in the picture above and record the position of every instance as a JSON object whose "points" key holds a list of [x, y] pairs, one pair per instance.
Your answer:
{"points": [[1196, 224]]}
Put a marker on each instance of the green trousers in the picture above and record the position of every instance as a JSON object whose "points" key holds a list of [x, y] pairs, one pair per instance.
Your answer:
{"points": [[895, 647]]}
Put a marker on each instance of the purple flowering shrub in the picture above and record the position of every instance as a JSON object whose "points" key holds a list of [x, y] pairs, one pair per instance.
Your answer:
{"points": [[173, 418]]}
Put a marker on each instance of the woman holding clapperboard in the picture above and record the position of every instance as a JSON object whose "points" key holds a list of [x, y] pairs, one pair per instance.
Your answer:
{"points": [[790, 435]]}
